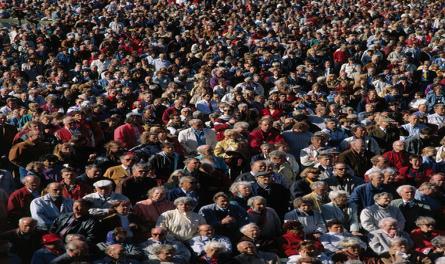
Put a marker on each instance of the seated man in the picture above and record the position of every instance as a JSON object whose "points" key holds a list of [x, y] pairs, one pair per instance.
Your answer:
{"points": [[159, 237], [207, 235], [249, 254], [103, 199]]}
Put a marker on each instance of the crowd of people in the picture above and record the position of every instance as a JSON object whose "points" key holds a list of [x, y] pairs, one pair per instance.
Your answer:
{"points": [[222, 132]]}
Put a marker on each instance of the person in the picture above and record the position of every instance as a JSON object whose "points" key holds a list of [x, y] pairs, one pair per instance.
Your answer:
{"points": [[385, 133], [332, 240], [255, 167], [183, 214], [363, 195], [397, 157], [159, 237], [357, 158], [135, 186], [25, 239], [264, 133], [215, 252], [264, 217], [411, 208], [416, 143], [400, 252], [71, 187], [115, 253], [206, 235], [302, 186], [150, 209], [103, 199], [308, 249], [165, 162], [76, 251], [47, 208], [424, 234], [371, 215], [380, 239], [187, 188], [195, 136], [351, 249], [165, 254], [282, 167], [20, 200], [342, 180], [415, 173], [77, 222], [308, 155], [128, 133], [52, 247], [120, 172], [249, 254], [318, 196], [292, 237], [304, 213], [225, 218], [91, 175], [297, 138], [241, 192], [342, 211], [359, 132]]}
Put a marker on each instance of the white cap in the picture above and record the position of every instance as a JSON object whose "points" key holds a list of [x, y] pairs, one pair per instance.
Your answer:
{"points": [[102, 183]]}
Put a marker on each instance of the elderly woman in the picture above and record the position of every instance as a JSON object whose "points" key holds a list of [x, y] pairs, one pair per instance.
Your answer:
{"points": [[350, 249], [303, 213], [265, 217], [339, 209], [370, 216], [231, 142], [156, 204], [424, 234], [164, 254], [241, 192], [215, 253], [335, 235], [399, 252], [181, 223], [252, 233], [380, 239]]}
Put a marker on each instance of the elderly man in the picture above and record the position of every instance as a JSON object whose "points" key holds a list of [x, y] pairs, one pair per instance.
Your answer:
{"points": [[357, 157], [92, 174], [410, 207], [159, 237], [363, 195], [341, 180], [187, 188], [249, 254], [397, 157], [120, 172], [319, 195], [226, 218], [388, 231], [135, 187], [71, 187], [47, 208], [359, 132], [206, 234], [103, 199], [341, 210], [195, 136], [25, 239], [265, 217], [438, 118], [255, 167], [384, 133], [309, 155], [116, 254], [20, 200], [370, 216]]}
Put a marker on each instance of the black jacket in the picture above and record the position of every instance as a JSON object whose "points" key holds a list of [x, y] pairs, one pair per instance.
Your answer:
{"points": [[86, 226]]}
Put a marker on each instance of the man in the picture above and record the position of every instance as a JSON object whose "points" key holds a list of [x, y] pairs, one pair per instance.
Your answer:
{"points": [[192, 166], [359, 132], [76, 252], [226, 218], [20, 200], [308, 156], [206, 234], [103, 199], [341, 180], [249, 254], [416, 143], [319, 195], [92, 174], [384, 133], [282, 167], [77, 222], [187, 187], [397, 157], [172, 110], [165, 162], [413, 127], [298, 138], [159, 237], [69, 129], [206, 153], [7, 133], [52, 247], [324, 165], [265, 133], [363, 195], [265, 148], [116, 254], [410, 207], [128, 133], [277, 196], [255, 168], [120, 172], [24, 152], [335, 133], [371, 215], [438, 118], [357, 158], [195, 136], [47, 208], [136, 186], [72, 188], [25, 239]]}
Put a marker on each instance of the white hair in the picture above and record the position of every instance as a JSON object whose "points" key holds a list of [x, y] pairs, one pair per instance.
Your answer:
{"points": [[334, 194], [386, 220], [400, 188]]}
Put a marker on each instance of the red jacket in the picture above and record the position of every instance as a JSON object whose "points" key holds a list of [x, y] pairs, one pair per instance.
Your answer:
{"points": [[77, 192], [422, 241], [397, 159], [276, 115], [291, 243], [127, 135], [258, 137], [18, 203], [416, 176]]}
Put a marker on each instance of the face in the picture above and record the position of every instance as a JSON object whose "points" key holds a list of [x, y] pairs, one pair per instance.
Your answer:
{"points": [[193, 164], [399, 146], [79, 209], [265, 126], [157, 234], [244, 190], [140, 172], [438, 180], [188, 185], [377, 180], [168, 150], [184, 207], [157, 195], [55, 190], [390, 227], [128, 160], [247, 248], [123, 208], [336, 229], [253, 232], [341, 200], [340, 170], [264, 180], [93, 173], [384, 200], [116, 252], [222, 202], [32, 183], [308, 252], [358, 146], [415, 162], [325, 161], [305, 207], [68, 176], [165, 255], [206, 231], [258, 205], [407, 194], [104, 191], [427, 227], [353, 250], [27, 226]]}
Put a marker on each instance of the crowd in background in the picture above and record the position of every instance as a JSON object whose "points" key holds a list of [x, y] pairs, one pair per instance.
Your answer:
{"points": [[220, 132]]}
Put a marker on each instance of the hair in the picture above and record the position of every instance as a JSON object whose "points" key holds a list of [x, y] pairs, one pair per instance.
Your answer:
{"points": [[244, 228], [378, 195], [230, 132], [219, 194], [349, 242], [278, 154], [397, 241], [185, 200], [308, 170], [157, 249], [254, 198], [332, 222], [422, 220], [334, 194], [215, 245], [299, 201], [317, 184], [375, 159], [385, 220], [186, 179], [234, 187], [400, 188], [438, 241], [374, 173], [152, 190], [21, 220]]}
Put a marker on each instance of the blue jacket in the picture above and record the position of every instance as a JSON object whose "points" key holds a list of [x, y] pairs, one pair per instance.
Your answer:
{"points": [[177, 192], [213, 216], [363, 195]]}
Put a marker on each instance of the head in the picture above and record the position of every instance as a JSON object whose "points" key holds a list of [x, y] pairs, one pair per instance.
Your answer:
{"points": [[164, 252], [438, 180], [304, 205], [192, 164], [221, 200], [277, 157], [376, 178], [258, 166], [340, 169], [158, 233], [351, 246], [122, 207], [68, 175], [389, 225], [398, 146], [54, 190], [318, 141], [185, 204], [27, 225], [308, 249], [157, 193], [213, 248], [266, 149], [426, 224], [339, 197], [383, 199], [320, 188], [246, 247], [80, 208], [241, 189], [31, 182], [264, 178], [188, 183], [265, 124], [406, 192], [257, 203], [77, 248], [128, 159], [358, 145], [334, 226], [103, 187], [92, 171], [206, 231], [139, 170], [379, 161], [115, 251], [325, 160], [251, 231], [196, 124]]}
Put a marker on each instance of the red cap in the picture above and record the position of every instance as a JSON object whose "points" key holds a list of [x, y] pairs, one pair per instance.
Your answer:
{"points": [[50, 238]]}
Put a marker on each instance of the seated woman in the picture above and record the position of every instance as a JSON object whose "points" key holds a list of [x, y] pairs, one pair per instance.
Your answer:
{"points": [[252, 233], [292, 238], [335, 235], [400, 252], [304, 213], [350, 250], [424, 234], [380, 239], [150, 209], [341, 210]]}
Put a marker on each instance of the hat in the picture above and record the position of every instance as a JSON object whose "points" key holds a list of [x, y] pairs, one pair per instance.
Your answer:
{"points": [[263, 173], [50, 238], [102, 183]]}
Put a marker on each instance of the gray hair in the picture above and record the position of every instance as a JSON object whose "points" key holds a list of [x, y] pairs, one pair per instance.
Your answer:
{"points": [[390, 170], [200, 149], [334, 194], [386, 220], [424, 220], [397, 241], [139, 165], [157, 249], [400, 188], [438, 241], [152, 190], [378, 195], [317, 184], [71, 237], [374, 173], [349, 242], [215, 245], [195, 121], [185, 200], [234, 187], [254, 198], [185, 179], [241, 124], [278, 154], [244, 228], [74, 245]]}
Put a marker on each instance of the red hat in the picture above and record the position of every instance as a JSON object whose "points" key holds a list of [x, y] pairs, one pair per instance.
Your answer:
{"points": [[50, 238]]}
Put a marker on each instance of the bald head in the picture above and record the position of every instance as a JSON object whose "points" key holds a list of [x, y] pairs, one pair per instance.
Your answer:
{"points": [[31, 182], [54, 190]]}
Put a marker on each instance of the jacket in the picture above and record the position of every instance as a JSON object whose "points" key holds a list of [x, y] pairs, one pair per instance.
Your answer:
{"points": [[164, 165], [412, 211], [116, 174], [363, 195], [359, 163], [189, 142], [86, 226], [268, 221], [422, 241], [214, 215], [397, 159], [24, 152], [380, 242], [384, 140], [258, 137], [370, 216], [135, 188], [19, 203], [45, 211], [312, 222], [347, 183], [127, 135], [276, 195], [331, 211]]}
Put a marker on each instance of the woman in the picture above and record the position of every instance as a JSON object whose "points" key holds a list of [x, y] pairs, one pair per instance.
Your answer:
{"points": [[340, 210], [424, 234], [265, 217], [335, 235], [351, 250], [113, 150], [150, 209], [399, 252], [241, 193], [380, 239], [304, 213], [66, 154], [231, 142], [165, 254], [181, 223], [272, 110], [302, 187], [173, 180], [215, 253], [292, 238]]}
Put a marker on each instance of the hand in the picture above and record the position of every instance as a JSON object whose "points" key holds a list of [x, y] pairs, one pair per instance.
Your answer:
{"points": [[316, 235], [227, 220], [354, 233]]}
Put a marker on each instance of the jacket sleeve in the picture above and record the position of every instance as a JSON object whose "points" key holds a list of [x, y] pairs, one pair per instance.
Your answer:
{"points": [[38, 214], [305, 158], [366, 220], [14, 156], [219, 149], [375, 243]]}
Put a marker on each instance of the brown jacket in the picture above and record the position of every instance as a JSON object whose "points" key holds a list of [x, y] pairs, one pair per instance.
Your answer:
{"points": [[25, 152]]}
